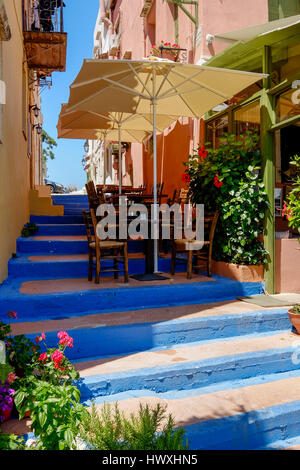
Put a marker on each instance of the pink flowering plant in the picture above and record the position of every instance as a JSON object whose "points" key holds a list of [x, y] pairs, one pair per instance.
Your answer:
{"points": [[52, 365], [168, 46]]}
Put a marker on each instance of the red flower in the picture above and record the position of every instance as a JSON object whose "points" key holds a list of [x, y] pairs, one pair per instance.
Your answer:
{"points": [[202, 152], [186, 178], [12, 314], [43, 358], [40, 338], [217, 182], [286, 212]]}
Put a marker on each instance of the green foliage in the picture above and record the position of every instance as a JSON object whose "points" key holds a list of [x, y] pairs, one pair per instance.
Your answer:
{"points": [[29, 229], [20, 351], [292, 208], [151, 429], [55, 411], [5, 369], [227, 179], [48, 145], [11, 442], [296, 309]]}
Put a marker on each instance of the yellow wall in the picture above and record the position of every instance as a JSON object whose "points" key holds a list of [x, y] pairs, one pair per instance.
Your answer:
{"points": [[14, 162]]}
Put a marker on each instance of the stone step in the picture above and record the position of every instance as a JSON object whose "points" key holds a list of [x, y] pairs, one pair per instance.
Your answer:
{"points": [[62, 298], [61, 229], [189, 375], [98, 340], [64, 244], [61, 219], [63, 266]]}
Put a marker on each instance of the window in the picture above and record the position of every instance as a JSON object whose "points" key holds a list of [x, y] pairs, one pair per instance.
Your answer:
{"points": [[247, 118], [288, 104], [283, 8], [215, 129]]}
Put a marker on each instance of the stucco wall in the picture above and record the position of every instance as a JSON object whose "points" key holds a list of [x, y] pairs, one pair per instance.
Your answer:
{"points": [[14, 162]]}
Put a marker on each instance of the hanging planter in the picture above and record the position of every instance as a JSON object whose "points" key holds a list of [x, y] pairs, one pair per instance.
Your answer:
{"points": [[165, 50]]}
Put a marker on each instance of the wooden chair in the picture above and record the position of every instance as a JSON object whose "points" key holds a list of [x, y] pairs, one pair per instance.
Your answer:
{"points": [[95, 197], [198, 255], [113, 250]]}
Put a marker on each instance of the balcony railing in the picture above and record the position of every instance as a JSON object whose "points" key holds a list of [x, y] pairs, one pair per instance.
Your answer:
{"points": [[43, 15], [44, 38]]}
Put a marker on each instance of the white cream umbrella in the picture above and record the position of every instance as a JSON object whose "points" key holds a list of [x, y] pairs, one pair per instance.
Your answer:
{"points": [[170, 88], [130, 127]]}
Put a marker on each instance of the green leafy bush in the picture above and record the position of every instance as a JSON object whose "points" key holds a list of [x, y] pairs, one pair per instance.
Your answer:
{"points": [[55, 411], [151, 429], [11, 442], [292, 207], [227, 179]]}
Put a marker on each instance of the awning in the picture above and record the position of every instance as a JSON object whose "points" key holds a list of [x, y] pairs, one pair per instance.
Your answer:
{"points": [[252, 32]]}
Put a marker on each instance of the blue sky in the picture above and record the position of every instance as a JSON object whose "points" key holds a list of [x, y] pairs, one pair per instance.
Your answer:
{"points": [[79, 22]]}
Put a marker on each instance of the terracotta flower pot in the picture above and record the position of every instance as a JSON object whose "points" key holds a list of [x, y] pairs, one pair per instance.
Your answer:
{"points": [[294, 319], [6, 414]]}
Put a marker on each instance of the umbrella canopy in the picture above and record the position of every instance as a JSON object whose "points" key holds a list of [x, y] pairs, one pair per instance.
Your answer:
{"points": [[160, 87], [129, 127]]}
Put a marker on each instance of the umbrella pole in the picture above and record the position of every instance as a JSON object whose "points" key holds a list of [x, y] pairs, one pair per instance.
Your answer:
{"points": [[155, 187], [120, 160]]}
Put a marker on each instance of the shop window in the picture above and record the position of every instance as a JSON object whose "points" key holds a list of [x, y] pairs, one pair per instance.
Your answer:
{"points": [[247, 118], [283, 8], [215, 130], [288, 103]]}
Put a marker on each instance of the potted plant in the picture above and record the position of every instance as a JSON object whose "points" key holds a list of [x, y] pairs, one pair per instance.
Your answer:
{"points": [[165, 50], [6, 400], [294, 316], [228, 179], [291, 210]]}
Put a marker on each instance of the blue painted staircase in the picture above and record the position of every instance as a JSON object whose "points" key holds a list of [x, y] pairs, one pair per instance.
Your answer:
{"points": [[228, 371]]}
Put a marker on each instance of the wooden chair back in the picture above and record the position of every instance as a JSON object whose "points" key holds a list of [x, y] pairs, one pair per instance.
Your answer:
{"points": [[88, 226]]}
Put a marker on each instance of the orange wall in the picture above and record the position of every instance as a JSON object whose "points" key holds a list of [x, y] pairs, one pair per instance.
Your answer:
{"points": [[176, 144]]}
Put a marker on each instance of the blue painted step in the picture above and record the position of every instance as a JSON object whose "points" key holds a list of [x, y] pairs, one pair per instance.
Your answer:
{"points": [[190, 375], [69, 199], [247, 431], [32, 246], [98, 342], [61, 229], [31, 307], [23, 268], [56, 219]]}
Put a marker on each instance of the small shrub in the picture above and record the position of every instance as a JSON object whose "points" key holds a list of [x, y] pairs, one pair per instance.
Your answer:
{"points": [[151, 429]]}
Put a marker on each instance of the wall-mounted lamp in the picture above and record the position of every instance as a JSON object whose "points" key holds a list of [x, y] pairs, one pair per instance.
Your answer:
{"points": [[38, 128], [36, 109], [86, 146]]}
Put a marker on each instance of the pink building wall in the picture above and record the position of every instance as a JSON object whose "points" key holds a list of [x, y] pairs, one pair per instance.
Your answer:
{"points": [[137, 36]]}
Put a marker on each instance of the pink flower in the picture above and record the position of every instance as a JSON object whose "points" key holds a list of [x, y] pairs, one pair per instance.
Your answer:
{"points": [[57, 356], [12, 314], [11, 377], [65, 339]]}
